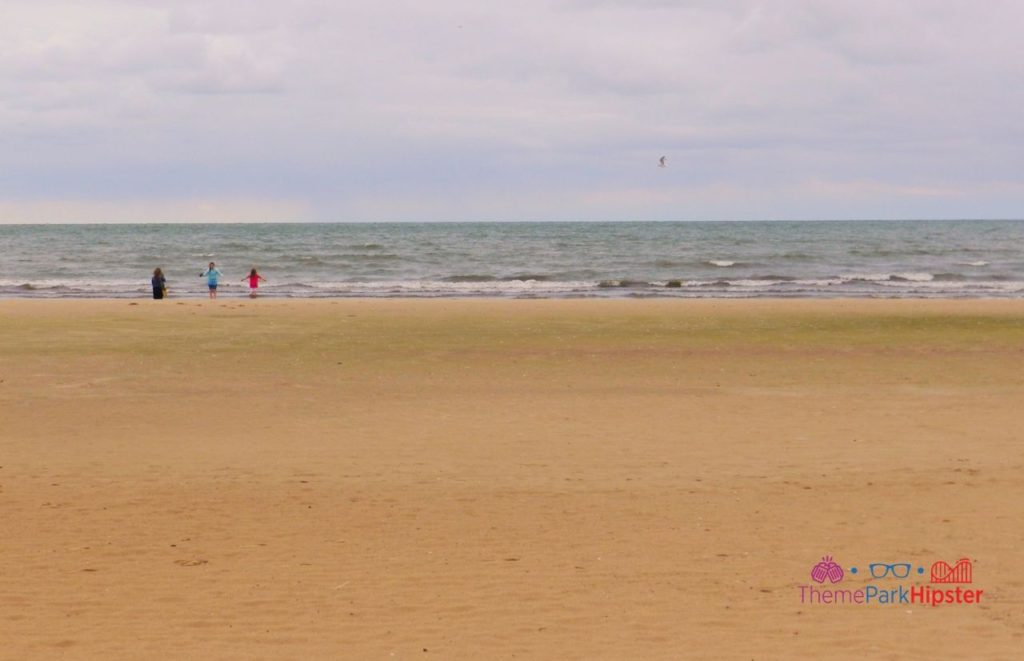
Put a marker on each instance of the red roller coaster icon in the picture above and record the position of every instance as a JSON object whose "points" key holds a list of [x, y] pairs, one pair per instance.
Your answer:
{"points": [[961, 572]]}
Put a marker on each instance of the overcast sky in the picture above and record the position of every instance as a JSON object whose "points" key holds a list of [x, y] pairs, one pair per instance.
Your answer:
{"points": [[527, 110]]}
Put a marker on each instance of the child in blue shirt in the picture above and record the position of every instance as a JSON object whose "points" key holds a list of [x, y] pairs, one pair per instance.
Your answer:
{"points": [[211, 274]]}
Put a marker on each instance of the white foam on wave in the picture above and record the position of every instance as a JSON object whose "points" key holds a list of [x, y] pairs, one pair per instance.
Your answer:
{"points": [[721, 262], [74, 283], [980, 262], [753, 283], [821, 282], [842, 284], [443, 287], [856, 284], [883, 277], [985, 285], [866, 277], [101, 288]]}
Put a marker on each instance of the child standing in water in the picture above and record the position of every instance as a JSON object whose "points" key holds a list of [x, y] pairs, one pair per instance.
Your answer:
{"points": [[211, 274], [159, 284], [254, 281]]}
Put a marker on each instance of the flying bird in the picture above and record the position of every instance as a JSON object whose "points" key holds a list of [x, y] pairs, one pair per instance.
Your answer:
{"points": [[663, 162]]}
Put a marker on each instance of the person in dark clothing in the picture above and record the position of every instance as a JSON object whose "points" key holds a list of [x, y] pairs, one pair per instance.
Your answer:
{"points": [[159, 284]]}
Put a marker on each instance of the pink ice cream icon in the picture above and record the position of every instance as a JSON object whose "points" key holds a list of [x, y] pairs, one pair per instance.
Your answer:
{"points": [[827, 569]]}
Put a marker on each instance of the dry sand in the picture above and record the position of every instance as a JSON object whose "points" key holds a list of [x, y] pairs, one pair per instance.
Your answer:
{"points": [[503, 479]]}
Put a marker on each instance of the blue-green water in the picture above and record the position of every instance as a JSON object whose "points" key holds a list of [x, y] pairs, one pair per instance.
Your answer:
{"points": [[687, 259]]}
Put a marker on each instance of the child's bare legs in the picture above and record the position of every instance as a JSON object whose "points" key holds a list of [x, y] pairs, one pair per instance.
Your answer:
{"points": [[213, 292]]}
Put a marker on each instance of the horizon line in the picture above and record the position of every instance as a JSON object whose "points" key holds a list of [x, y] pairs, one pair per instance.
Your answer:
{"points": [[508, 222]]}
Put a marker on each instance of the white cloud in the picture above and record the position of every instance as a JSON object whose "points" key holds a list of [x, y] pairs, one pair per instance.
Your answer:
{"points": [[540, 109]]}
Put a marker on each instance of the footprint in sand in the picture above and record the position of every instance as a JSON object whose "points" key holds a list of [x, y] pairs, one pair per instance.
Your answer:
{"points": [[191, 563]]}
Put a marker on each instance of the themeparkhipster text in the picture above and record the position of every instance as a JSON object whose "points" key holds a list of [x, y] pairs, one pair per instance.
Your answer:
{"points": [[941, 592]]}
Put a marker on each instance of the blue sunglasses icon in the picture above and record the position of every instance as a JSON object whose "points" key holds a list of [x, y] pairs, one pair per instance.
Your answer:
{"points": [[881, 570]]}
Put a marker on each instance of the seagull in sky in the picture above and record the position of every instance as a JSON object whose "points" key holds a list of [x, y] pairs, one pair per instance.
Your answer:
{"points": [[663, 162]]}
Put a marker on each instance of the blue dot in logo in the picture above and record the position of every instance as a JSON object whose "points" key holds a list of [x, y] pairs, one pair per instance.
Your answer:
{"points": [[920, 570], [853, 570]]}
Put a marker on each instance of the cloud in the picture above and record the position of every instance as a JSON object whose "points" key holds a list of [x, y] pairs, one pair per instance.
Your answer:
{"points": [[151, 210], [539, 109]]}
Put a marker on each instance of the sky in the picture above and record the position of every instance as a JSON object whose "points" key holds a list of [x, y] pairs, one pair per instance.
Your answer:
{"points": [[464, 110]]}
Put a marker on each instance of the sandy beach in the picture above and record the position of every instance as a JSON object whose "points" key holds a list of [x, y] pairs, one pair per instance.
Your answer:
{"points": [[487, 479]]}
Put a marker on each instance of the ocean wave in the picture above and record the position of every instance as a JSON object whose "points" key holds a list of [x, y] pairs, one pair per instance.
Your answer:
{"points": [[479, 277], [288, 286], [100, 288], [370, 258], [530, 277], [607, 284], [900, 252], [911, 277], [336, 258], [488, 285], [469, 278], [776, 278], [453, 288], [973, 285], [882, 277], [72, 283], [720, 262]]}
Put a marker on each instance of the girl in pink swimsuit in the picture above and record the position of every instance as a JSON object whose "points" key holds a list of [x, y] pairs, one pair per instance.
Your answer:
{"points": [[254, 281]]}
